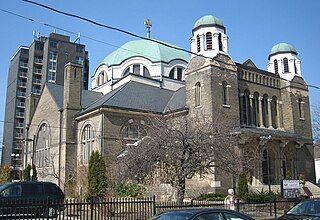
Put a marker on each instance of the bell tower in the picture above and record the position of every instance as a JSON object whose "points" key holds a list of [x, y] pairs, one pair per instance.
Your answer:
{"points": [[209, 37]]}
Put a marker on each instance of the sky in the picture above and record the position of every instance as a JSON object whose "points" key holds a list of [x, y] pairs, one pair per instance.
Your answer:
{"points": [[253, 27]]}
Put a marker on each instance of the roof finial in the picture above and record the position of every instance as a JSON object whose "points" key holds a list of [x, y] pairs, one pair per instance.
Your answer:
{"points": [[148, 24]]}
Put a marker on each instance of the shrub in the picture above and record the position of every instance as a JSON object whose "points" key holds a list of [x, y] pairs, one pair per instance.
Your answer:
{"points": [[26, 173], [129, 190], [5, 174], [212, 197], [262, 196]]}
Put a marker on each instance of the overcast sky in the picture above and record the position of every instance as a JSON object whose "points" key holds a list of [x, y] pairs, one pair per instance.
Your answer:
{"points": [[253, 27]]}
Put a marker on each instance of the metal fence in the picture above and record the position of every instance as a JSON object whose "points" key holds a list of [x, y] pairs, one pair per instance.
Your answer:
{"points": [[126, 208]]}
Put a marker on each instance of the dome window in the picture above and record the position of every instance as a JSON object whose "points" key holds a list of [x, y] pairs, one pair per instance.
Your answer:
{"points": [[209, 40], [137, 69], [286, 65], [176, 73]]}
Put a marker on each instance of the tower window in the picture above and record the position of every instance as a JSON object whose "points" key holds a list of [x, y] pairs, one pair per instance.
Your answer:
{"points": [[286, 65], [276, 66], [301, 109], [197, 94], [225, 93], [198, 44], [220, 42], [295, 67], [209, 40]]}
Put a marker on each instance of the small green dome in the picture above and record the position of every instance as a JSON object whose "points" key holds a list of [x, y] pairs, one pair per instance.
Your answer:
{"points": [[283, 48], [151, 50], [208, 20]]}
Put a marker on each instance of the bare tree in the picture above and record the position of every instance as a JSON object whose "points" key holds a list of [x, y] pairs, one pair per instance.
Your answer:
{"points": [[184, 146]]}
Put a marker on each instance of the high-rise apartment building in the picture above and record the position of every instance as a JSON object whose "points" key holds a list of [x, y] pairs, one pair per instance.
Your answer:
{"points": [[29, 69]]}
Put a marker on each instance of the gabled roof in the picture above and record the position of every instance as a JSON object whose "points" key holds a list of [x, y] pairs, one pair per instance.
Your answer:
{"points": [[135, 96], [250, 63], [87, 97]]}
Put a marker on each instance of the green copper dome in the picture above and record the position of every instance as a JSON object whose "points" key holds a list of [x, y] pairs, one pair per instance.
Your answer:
{"points": [[144, 48], [208, 20], [282, 48]]}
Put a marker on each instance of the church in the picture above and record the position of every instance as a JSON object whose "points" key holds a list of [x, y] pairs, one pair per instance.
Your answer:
{"points": [[270, 108]]}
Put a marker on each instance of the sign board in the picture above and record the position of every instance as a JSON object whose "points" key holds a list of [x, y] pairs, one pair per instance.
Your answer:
{"points": [[291, 188]]}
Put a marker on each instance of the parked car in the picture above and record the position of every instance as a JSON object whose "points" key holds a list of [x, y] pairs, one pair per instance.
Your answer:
{"points": [[306, 209], [201, 214], [40, 198]]}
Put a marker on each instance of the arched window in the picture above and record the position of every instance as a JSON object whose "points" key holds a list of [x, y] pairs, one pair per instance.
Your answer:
{"points": [[137, 69], [255, 109], [176, 73], [101, 76], [265, 111], [87, 142], [220, 42], [276, 70], [225, 93], [301, 108], [285, 65], [274, 112], [197, 94], [42, 148], [133, 130], [198, 44], [209, 40], [246, 108]]}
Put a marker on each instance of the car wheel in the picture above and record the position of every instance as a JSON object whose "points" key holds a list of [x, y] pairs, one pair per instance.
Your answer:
{"points": [[50, 212]]}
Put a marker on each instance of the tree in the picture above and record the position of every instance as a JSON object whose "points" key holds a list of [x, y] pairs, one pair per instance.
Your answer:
{"points": [[27, 173], [96, 176], [182, 147], [5, 174], [243, 188], [316, 123]]}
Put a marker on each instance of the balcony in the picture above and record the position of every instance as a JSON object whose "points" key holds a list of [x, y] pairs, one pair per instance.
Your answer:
{"points": [[23, 64], [20, 114], [37, 81], [22, 84], [22, 74], [21, 94], [38, 61], [18, 135], [37, 71], [35, 91], [21, 104], [19, 125]]}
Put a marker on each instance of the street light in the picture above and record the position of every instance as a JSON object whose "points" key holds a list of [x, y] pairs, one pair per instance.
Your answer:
{"points": [[14, 156]]}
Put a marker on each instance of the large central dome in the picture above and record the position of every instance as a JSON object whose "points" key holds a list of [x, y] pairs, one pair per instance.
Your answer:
{"points": [[148, 49]]}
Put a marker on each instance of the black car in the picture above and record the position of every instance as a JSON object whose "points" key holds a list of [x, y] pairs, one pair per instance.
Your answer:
{"points": [[201, 214], [40, 198], [306, 209]]}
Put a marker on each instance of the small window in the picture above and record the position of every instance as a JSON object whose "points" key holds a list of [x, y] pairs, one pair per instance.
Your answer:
{"points": [[225, 93], [209, 40], [220, 42], [198, 44], [285, 65], [275, 62], [53, 44], [197, 94], [136, 69], [146, 72], [301, 109], [179, 73]]}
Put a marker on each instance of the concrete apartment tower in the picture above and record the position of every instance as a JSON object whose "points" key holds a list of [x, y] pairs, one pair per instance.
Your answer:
{"points": [[43, 61]]}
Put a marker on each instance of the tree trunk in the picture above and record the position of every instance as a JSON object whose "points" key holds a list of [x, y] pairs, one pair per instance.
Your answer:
{"points": [[181, 189]]}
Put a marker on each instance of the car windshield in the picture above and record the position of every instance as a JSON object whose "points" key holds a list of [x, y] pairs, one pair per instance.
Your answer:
{"points": [[173, 216], [308, 207]]}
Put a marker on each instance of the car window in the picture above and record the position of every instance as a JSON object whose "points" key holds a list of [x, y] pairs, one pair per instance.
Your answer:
{"points": [[12, 191], [306, 207], [52, 189], [210, 216], [230, 216], [32, 189]]}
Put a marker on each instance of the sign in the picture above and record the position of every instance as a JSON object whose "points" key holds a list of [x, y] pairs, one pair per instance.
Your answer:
{"points": [[291, 188]]}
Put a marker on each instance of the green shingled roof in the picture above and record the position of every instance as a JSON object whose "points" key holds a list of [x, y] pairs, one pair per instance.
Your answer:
{"points": [[145, 48], [282, 48], [208, 20]]}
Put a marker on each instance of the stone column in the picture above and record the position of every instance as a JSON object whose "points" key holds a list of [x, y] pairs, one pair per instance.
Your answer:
{"points": [[241, 108], [278, 115], [252, 110]]}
